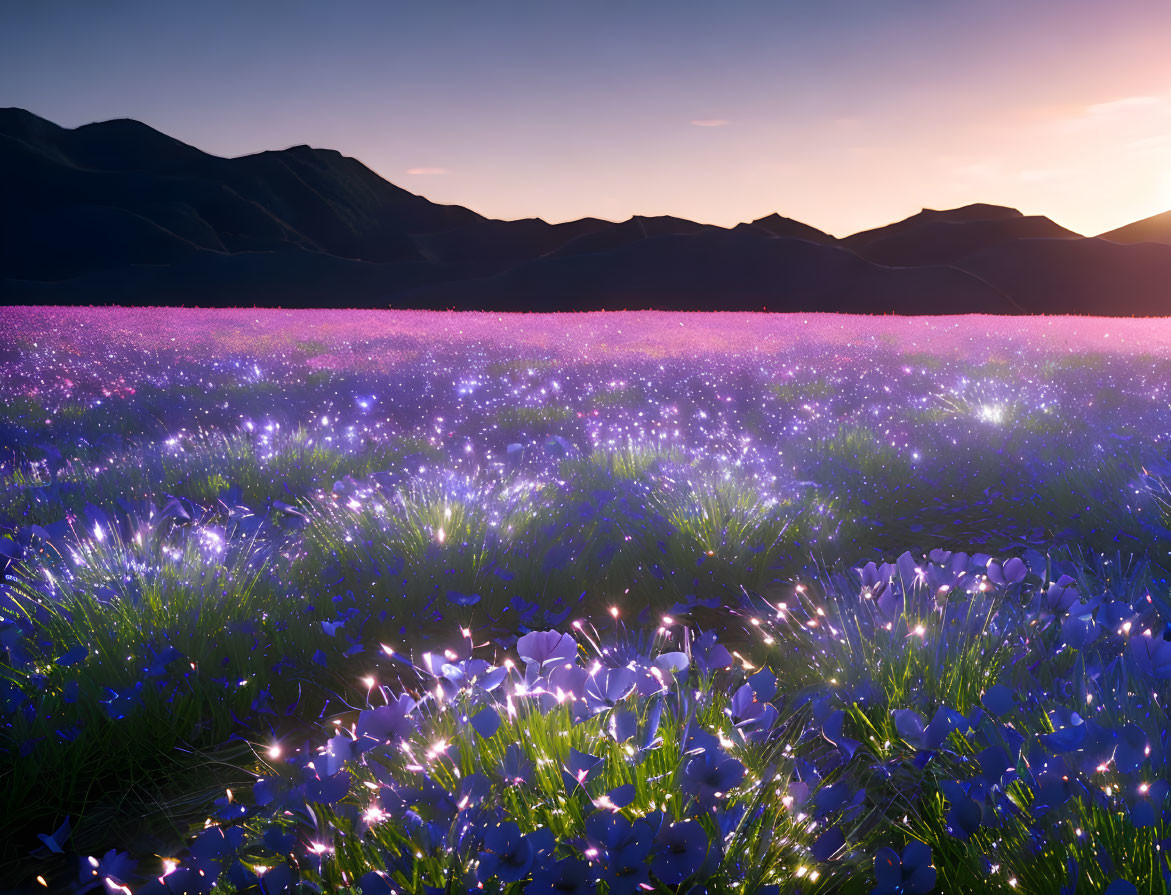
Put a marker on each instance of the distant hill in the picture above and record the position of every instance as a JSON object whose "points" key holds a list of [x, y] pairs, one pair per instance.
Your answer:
{"points": [[1078, 276], [1156, 228], [116, 193], [717, 269], [781, 226], [117, 212], [944, 237]]}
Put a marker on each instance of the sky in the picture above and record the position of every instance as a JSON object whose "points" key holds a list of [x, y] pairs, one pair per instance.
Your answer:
{"points": [[844, 114]]}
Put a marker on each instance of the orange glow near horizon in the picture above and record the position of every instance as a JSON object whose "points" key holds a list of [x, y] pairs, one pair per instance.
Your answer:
{"points": [[1091, 167]]}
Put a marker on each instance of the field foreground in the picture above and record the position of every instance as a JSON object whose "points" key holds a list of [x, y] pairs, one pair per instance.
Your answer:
{"points": [[398, 602]]}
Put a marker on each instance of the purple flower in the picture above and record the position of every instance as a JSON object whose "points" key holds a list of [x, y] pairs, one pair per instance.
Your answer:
{"points": [[1060, 596], [542, 648], [751, 715], [1013, 571], [608, 686], [338, 750], [1079, 633], [327, 790], [388, 722], [889, 606], [876, 578]]}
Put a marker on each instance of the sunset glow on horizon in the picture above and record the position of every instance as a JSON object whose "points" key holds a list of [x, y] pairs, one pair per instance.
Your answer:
{"points": [[842, 115]]}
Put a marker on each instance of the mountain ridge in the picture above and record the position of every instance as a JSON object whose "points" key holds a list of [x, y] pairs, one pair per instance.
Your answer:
{"points": [[118, 212], [1156, 228]]}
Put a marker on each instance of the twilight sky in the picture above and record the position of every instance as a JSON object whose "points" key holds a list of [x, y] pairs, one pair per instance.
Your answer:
{"points": [[844, 114]]}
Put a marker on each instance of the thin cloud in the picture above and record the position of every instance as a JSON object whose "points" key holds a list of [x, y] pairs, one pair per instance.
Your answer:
{"points": [[1156, 141], [1127, 111], [427, 171], [1126, 104], [710, 122], [1044, 175]]}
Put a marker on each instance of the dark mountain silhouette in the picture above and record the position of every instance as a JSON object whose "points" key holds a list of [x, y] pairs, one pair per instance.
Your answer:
{"points": [[149, 199], [718, 269], [117, 212], [617, 236], [487, 246], [1078, 276], [1156, 228], [782, 226], [944, 237]]}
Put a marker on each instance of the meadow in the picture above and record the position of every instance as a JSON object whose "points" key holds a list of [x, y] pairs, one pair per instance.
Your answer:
{"points": [[405, 602]]}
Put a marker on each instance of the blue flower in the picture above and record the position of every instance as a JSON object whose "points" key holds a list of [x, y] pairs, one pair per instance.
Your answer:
{"points": [[680, 850], [1059, 598], [708, 776], [579, 768], [462, 599], [998, 699], [828, 844], [327, 790], [964, 814], [508, 855], [1121, 887], [514, 766], [1069, 731], [752, 716], [486, 721], [1152, 655], [376, 883], [570, 876], [831, 729], [910, 725], [708, 655], [55, 841], [622, 848], [1131, 749], [910, 873], [115, 866]]}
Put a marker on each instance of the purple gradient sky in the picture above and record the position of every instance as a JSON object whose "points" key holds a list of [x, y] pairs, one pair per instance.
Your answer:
{"points": [[845, 114]]}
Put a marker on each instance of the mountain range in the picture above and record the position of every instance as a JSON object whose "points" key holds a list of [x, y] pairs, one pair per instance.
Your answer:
{"points": [[119, 213]]}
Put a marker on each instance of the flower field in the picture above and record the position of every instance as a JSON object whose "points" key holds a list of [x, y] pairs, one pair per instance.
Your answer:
{"points": [[402, 602]]}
